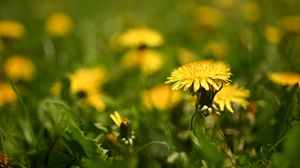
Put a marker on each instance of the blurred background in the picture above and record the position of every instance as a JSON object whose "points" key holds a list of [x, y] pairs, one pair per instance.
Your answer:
{"points": [[64, 57]]}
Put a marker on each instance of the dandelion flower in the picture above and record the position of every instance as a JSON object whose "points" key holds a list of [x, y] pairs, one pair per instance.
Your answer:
{"points": [[207, 16], [96, 99], [284, 78], [56, 89], [18, 67], [272, 34], [86, 83], [87, 79], [160, 97], [11, 29], [231, 94], [7, 94], [140, 37], [291, 24], [59, 24], [202, 74], [126, 133], [148, 61], [251, 11]]}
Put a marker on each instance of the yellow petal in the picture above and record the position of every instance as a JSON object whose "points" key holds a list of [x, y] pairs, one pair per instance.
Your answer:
{"points": [[189, 84], [204, 84], [228, 106], [222, 104], [196, 85]]}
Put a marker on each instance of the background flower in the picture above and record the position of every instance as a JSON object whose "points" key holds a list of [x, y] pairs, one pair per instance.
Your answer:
{"points": [[231, 94]]}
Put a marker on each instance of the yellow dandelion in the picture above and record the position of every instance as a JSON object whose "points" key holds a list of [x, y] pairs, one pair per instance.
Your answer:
{"points": [[11, 29], [284, 78], [217, 49], [291, 24], [87, 79], [160, 97], [140, 37], [96, 99], [59, 24], [18, 67], [7, 94], [251, 11], [126, 134], [208, 16], [272, 34], [56, 89], [231, 94], [148, 61], [202, 74]]}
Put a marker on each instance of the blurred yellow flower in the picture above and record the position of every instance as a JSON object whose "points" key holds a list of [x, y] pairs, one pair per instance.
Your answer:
{"points": [[284, 78], [18, 67], [185, 56], [160, 97], [11, 29], [86, 83], [141, 37], [251, 11], [56, 89], [87, 79], [217, 49], [272, 34], [206, 74], [58, 24], [291, 24], [148, 61], [231, 94], [7, 94], [208, 16], [96, 99]]}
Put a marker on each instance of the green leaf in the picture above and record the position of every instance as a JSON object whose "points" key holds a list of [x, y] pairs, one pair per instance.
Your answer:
{"points": [[61, 120]]}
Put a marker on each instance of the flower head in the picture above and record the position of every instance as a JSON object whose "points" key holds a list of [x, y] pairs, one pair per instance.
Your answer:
{"points": [[284, 78], [59, 24], [202, 74], [87, 79], [160, 97], [7, 94], [251, 11], [140, 37], [291, 24], [86, 83], [126, 133], [18, 67], [231, 94], [207, 16], [148, 61], [272, 34], [11, 29]]}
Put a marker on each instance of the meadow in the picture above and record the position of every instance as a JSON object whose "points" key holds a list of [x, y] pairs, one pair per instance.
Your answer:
{"points": [[153, 83]]}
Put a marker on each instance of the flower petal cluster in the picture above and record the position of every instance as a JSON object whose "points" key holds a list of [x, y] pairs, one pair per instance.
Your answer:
{"points": [[206, 74]]}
